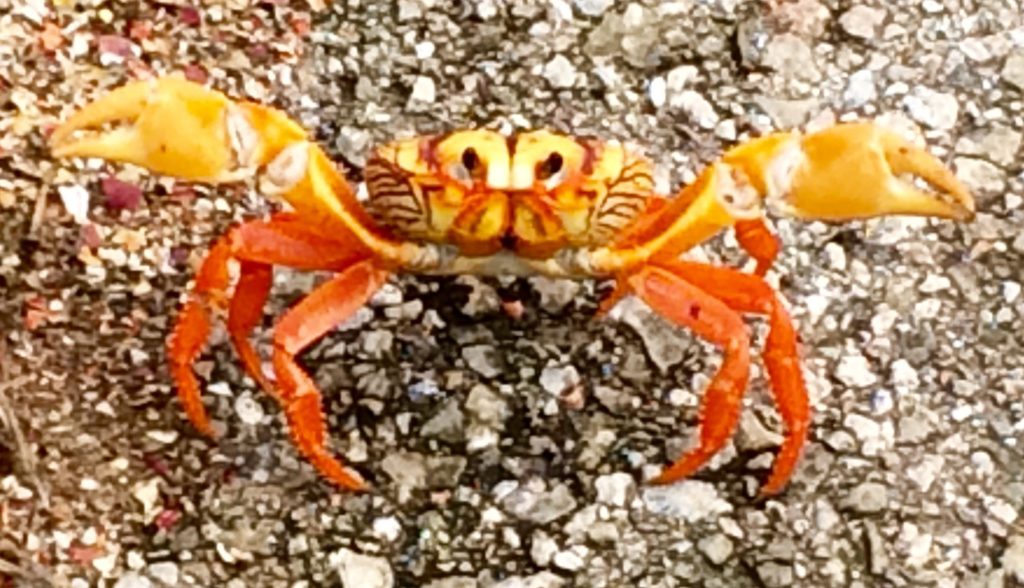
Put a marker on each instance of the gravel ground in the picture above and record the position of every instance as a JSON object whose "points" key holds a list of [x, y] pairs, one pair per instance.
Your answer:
{"points": [[505, 430]]}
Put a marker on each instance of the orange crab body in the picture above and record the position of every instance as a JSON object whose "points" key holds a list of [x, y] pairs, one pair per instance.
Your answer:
{"points": [[480, 202]]}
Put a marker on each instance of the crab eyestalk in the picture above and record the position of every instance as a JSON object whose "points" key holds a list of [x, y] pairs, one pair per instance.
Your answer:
{"points": [[850, 172]]}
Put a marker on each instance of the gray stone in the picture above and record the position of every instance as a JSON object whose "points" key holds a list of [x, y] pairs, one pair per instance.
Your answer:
{"points": [[791, 57], [448, 424], [613, 399], [924, 473], [862, 21], [615, 489], [408, 470], [876, 548], [542, 548], [787, 114], [571, 560], [454, 582], [854, 370], [980, 175], [423, 90], [165, 572], [860, 89], [664, 343], [1013, 69], [482, 359], [938, 110], [754, 436], [486, 406], [555, 294], [539, 506], [998, 143], [560, 72], [696, 107], [557, 380], [541, 580], [717, 548], [133, 580], [362, 571], [867, 497], [1013, 557], [774, 574], [690, 500], [593, 7]]}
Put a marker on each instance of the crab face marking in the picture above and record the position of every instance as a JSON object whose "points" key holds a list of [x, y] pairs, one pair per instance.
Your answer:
{"points": [[443, 188], [532, 194], [576, 192]]}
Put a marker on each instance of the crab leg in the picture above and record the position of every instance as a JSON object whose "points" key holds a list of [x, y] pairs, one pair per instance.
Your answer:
{"points": [[756, 238], [304, 324], [257, 245], [683, 303], [751, 294]]}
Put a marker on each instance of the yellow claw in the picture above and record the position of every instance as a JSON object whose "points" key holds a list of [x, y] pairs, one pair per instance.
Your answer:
{"points": [[177, 128], [850, 171]]}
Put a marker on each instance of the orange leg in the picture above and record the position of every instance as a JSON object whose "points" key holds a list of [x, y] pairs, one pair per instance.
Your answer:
{"points": [[310, 319], [257, 245], [192, 329], [751, 294], [245, 313], [685, 304], [757, 240]]}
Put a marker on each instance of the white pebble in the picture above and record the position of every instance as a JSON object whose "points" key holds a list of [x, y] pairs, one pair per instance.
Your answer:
{"points": [[424, 50], [387, 527], [593, 7], [656, 90], [569, 559], [148, 495], [105, 565], [934, 283], [1011, 291], [557, 380], [855, 371], [76, 202], [165, 437], [614, 489], [248, 410], [928, 308], [961, 413], [423, 90], [362, 571], [560, 72]]}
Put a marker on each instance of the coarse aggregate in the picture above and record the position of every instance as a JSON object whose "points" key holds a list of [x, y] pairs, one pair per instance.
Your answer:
{"points": [[507, 433]]}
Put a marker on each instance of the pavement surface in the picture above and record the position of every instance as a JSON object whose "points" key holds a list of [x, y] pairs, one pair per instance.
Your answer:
{"points": [[507, 432]]}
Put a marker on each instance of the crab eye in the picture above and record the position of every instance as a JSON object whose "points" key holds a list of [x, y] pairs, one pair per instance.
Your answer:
{"points": [[470, 160], [550, 166]]}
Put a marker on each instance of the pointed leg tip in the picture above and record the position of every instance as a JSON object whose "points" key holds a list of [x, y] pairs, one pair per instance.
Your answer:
{"points": [[770, 490], [671, 474], [350, 480], [662, 480], [205, 428], [361, 486]]}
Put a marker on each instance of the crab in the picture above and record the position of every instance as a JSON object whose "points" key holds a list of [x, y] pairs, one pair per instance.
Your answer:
{"points": [[480, 202]]}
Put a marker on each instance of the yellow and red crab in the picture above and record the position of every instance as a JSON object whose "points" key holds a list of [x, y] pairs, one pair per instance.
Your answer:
{"points": [[480, 202]]}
